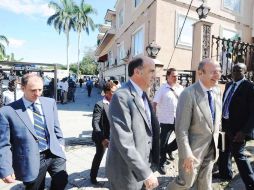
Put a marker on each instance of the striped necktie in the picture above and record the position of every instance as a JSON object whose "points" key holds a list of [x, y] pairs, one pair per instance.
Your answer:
{"points": [[39, 126]]}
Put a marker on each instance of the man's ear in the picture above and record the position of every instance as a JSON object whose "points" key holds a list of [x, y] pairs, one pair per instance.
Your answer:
{"points": [[136, 71], [200, 72]]}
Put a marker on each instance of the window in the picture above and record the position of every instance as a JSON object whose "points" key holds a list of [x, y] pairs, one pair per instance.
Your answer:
{"points": [[229, 34], [120, 18], [187, 32], [232, 5], [137, 2], [110, 58], [138, 42], [120, 52]]}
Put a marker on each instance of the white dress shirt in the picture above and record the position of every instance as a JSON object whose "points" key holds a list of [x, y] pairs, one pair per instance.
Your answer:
{"points": [[167, 102], [144, 103]]}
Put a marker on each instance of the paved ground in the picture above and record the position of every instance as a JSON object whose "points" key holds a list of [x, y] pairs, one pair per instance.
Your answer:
{"points": [[75, 119]]}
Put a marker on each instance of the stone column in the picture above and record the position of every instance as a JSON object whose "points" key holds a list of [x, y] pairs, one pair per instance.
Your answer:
{"points": [[202, 40]]}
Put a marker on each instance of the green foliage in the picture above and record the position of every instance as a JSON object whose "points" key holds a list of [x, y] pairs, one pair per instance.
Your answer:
{"points": [[82, 19], [3, 41], [88, 65], [74, 68], [63, 19], [12, 57]]}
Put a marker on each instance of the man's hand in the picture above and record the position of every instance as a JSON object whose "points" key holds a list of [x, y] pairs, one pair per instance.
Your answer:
{"points": [[239, 137], [105, 143], [9, 179], [188, 163], [151, 182]]}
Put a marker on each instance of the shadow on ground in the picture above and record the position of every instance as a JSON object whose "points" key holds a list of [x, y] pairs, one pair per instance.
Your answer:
{"points": [[82, 101], [84, 139]]}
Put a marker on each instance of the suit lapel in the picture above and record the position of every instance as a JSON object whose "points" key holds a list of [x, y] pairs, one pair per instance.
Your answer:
{"points": [[106, 108], [203, 104], [238, 90], [46, 111], [23, 115], [137, 100], [218, 106]]}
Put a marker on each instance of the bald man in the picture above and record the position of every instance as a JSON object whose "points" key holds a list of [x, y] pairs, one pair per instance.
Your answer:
{"points": [[134, 131]]}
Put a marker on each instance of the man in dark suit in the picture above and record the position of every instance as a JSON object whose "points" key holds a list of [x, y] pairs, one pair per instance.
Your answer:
{"points": [[31, 141], [238, 123], [134, 131], [101, 128]]}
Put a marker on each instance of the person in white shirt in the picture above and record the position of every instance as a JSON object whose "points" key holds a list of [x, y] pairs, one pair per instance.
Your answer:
{"points": [[164, 104], [65, 87], [9, 96]]}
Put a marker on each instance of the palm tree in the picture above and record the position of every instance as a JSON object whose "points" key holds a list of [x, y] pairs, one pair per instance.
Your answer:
{"points": [[83, 22], [11, 58], [2, 47], [63, 20]]}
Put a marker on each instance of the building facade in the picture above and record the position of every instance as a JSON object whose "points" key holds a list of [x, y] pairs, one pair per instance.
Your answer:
{"points": [[133, 24]]}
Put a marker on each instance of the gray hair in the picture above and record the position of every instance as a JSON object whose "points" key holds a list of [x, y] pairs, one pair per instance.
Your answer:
{"points": [[204, 62]]}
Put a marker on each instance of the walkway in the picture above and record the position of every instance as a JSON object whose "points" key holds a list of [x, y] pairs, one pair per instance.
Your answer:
{"points": [[75, 119]]}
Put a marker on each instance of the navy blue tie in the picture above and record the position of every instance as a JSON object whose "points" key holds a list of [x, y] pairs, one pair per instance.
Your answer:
{"points": [[225, 112], [211, 104], [39, 126]]}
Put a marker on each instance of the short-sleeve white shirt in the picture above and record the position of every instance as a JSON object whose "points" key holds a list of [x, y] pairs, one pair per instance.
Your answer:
{"points": [[167, 102]]}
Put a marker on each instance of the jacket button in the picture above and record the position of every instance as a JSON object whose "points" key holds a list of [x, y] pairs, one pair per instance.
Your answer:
{"points": [[149, 142]]}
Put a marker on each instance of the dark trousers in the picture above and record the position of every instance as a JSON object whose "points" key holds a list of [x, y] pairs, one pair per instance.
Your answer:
{"points": [[56, 167], [89, 90], [236, 150], [166, 131], [100, 150]]}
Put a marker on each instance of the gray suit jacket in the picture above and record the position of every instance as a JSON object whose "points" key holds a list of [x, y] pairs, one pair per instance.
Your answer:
{"points": [[19, 151], [194, 127], [134, 144]]}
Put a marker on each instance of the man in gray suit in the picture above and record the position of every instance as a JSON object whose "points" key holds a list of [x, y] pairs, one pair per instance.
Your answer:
{"points": [[198, 119], [134, 131]]}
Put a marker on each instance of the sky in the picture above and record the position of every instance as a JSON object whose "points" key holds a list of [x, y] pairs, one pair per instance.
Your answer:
{"points": [[24, 23]]}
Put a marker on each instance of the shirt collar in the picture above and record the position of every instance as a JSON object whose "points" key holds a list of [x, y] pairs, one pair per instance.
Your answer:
{"points": [[168, 86], [28, 103], [105, 101], [239, 82], [137, 88], [204, 88]]}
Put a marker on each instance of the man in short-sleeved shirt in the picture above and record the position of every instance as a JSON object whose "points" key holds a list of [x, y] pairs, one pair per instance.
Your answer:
{"points": [[164, 104]]}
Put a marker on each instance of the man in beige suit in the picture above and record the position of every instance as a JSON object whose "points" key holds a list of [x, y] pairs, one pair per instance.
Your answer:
{"points": [[198, 118]]}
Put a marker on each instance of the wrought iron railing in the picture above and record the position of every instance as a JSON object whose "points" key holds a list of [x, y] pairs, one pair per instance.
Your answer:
{"points": [[186, 77], [229, 52]]}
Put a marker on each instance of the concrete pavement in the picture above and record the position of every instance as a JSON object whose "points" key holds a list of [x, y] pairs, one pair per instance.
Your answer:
{"points": [[75, 118]]}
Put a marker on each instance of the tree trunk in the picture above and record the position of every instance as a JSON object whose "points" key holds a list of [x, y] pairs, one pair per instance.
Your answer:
{"points": [[67, 51], [79, 35]]}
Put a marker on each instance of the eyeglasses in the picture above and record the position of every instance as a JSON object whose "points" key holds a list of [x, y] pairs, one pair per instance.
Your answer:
{"points": [[216, 72]]}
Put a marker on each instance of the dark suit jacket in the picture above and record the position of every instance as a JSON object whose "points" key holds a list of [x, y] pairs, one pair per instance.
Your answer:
{"points": [[241, 110], [100, 122], [19, 151]]}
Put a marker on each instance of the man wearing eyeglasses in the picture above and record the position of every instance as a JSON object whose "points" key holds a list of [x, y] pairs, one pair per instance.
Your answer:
{"points": [[198, 117]]}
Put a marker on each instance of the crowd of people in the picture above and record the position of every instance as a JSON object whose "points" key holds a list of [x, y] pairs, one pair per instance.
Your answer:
{"points": [[136, 131]]}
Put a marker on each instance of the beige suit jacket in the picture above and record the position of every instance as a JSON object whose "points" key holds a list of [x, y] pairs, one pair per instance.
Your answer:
{"points": [[194, 128]]}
